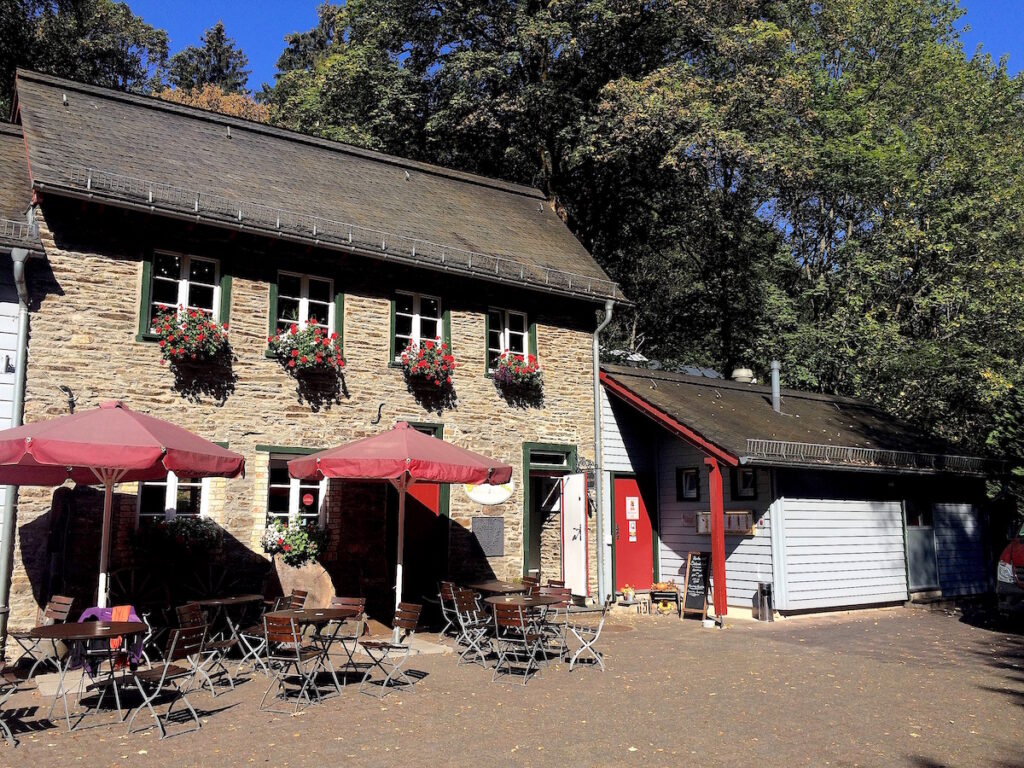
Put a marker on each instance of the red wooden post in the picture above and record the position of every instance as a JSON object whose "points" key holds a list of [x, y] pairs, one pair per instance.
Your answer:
{"points": [[717, 535]]}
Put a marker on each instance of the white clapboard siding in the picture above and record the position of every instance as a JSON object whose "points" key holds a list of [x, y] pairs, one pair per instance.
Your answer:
{"points": [[960, 550], [748, 559], [830, 554], [8, 346], [627, 444]]}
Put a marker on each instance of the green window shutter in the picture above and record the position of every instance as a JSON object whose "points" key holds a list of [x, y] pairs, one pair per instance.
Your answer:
{"points": [[339, 318], [272, 310], [144, 296], [446, 328], [391, 336], [533, 340], [225, 298], [487, 342]]}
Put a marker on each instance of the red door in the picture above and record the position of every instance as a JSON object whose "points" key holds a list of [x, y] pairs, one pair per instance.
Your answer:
{"points": [[634, 539]]}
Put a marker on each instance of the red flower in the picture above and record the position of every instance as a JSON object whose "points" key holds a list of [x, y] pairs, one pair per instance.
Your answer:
{"points": [[162, 343], [303, 359], [295, 353], [287, 547], [225, 326], [319, 358], [295, 328], [291, 363]]}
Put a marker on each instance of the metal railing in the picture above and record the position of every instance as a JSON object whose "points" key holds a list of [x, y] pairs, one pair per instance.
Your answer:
{"points": [[816, 453], [17, 230], [329, 232]]}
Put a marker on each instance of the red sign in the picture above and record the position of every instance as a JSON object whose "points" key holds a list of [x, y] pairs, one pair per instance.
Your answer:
{"points": [[307, 500]]}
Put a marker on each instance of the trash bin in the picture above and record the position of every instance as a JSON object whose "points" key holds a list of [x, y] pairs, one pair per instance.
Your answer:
{"points": [[762, 608]]}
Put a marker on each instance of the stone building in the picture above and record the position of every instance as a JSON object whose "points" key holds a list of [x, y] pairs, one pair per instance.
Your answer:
{"points": [[141, 204]]}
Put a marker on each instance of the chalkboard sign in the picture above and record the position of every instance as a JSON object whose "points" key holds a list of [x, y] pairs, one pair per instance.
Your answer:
{"points": [[695, 597]]}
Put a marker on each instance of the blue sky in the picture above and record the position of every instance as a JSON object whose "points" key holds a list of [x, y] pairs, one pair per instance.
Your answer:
{"points": [[259, 26]]}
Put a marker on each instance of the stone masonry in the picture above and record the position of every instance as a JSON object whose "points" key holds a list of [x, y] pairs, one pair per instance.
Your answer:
{"points": [[84, 321]]}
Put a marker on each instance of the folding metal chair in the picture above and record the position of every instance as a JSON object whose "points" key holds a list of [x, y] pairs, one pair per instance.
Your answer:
{"points": [[291, 665], [446, 596], [390, 657], [214, 651], [517, 639], [586, 625], [350, 643], [253, 639], [553, 625], [167, 677], [474, 628], [56, 612], [8, 687]]}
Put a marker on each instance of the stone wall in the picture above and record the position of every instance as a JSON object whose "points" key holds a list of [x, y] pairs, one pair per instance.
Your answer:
{"points": [[84, 321]]}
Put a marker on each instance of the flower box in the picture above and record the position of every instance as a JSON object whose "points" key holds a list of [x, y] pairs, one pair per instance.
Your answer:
{"points": [[297, 543], [430, 364], [519, 371], [308, 349], [189, 337]]}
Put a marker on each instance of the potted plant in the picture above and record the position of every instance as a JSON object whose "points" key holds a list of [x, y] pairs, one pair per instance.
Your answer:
{"points": [[628, 593], [430, 364], [190, 337], [308, 349], [297, 543], [518, 371], [183, 537]]}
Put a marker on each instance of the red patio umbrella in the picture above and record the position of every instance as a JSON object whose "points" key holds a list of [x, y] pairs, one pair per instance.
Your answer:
{"points": [[108, 445], [402, 456]]}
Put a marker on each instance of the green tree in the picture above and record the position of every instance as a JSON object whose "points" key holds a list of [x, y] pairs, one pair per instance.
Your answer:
{"points": [[95, 41], [216, 62]]}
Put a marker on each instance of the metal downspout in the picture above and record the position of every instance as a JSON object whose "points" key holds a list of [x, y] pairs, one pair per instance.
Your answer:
{"points": [[603, 537], [19, 256]]}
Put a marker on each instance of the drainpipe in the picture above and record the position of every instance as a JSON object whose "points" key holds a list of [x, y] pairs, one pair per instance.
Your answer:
{"points": [[603, 588], [776, 392], [19, 256]]}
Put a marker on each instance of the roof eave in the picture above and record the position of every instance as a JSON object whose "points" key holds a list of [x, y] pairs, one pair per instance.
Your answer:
{"points": [[753, 461]]}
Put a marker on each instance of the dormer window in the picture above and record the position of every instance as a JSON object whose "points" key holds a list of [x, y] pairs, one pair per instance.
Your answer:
{"points": [[417, 318], [180, 280], [506, 331], [302, 298]]}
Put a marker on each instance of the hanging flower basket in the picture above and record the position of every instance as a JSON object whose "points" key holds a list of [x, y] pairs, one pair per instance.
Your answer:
{"points": [[185, 536], [308, 350], [190, 337], [430, 365], [518, 371], [297, 543]]}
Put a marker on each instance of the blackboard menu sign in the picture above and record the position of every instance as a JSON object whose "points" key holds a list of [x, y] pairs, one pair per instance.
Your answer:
{"points": [[695, 598]]}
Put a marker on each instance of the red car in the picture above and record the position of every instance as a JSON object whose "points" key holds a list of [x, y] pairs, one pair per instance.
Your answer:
{"points": [[1010, 576]]}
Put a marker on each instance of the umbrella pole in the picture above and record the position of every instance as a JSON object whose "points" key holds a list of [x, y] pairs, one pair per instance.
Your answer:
{"points": [[402, 487], [108, 495]]}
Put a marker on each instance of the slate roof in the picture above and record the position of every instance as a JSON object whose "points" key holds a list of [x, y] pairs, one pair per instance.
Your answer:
{"points": [[142, 152], [15, 191], [813, 429]]}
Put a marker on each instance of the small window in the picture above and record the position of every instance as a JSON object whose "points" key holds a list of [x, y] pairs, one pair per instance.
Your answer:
{"points": [[417, 319], [183, 281], [507, 331], [302, 300], [548, 459], [919, 514], [687, 484], [744, 483], [290, 499], [171, 497]]}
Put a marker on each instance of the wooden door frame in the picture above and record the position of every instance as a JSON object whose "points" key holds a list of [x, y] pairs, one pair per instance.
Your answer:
{"points": [[644, 482]]}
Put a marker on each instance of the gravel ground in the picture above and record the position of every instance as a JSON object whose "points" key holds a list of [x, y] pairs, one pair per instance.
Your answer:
{"points": [[884, 687]]}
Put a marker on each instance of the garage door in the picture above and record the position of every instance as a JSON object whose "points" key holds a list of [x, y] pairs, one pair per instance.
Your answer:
{"points": [[831, 554]]}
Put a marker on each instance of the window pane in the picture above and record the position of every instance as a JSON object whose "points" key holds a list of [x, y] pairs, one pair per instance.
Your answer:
{"points": [[517, 343], [430, 307], [288, 310], [289, 285], [320, 290], [167, 266], [279, 472], [429, 329], [403, 303], [495, 340], [309, 501], [200, 297], [165, 292], [152, 499], [202, 271], [403, 326], [516, 322], [277, 501], [321, 312], [189, 497]]}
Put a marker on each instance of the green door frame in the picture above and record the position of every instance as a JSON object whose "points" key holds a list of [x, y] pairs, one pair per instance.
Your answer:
{"points": [[645, 484], [570, 451]]}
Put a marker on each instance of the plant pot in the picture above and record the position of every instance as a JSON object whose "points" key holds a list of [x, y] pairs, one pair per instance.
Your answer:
{"points": [[311, 577]]}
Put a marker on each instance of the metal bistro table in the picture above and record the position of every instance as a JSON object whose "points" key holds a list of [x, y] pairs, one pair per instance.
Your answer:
{"points": [[222, 608], [318, 618], [498, 587], [73, 634]]}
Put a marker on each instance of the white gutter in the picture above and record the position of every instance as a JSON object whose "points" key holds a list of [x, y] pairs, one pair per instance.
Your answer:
{"points": [[604, 538], [19, 256]]}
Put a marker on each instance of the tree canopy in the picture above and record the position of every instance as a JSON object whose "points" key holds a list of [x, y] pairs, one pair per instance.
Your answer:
{"points": [[218, 61]]}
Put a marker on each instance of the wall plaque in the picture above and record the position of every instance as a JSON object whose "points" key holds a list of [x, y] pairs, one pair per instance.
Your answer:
{"points": [[490, 534]]}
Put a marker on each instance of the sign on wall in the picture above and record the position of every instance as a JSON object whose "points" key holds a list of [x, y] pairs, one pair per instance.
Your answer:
{"points": [[736, 523], [490, 534], [490, 494], [633, 508]]}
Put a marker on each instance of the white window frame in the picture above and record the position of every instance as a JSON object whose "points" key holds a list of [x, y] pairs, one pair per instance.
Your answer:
{"points": [[171, 497], [304, 301], [507, 332], [417, 336], [183, 284], [295, 494]]}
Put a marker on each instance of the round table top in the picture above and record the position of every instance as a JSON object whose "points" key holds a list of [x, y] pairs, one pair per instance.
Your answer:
{"points": [[525, 601], [88, 630], [315, 615], [219, 602], [497, 587]]}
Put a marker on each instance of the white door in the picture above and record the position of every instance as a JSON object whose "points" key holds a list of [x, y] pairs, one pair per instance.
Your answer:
{"points": [[574, 533]]}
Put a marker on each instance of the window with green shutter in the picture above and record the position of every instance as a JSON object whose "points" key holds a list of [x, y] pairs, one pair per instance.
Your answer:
{"points": [[171, 280]]}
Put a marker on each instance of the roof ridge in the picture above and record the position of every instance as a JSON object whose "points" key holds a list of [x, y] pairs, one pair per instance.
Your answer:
{"points": [[156, 103], [761, 389]]}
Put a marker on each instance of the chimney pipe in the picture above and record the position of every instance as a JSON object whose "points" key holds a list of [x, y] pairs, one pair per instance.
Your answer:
{"points": [[776, 394]]}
